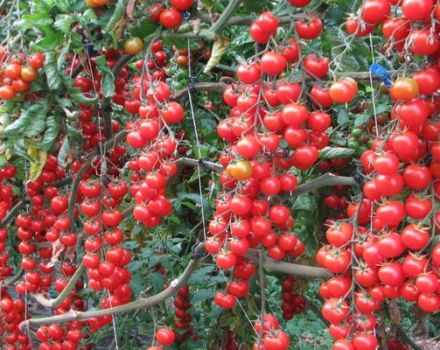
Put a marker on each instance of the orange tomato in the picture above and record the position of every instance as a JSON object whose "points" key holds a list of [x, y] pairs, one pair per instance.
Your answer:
{"points": [[404, 89], [240, 170]]}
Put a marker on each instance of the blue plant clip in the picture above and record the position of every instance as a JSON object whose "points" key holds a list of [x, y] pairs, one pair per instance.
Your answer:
{"points": [[381, 73], [91, 50], [186, 15]]}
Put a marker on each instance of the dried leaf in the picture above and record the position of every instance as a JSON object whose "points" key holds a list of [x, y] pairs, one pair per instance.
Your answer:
{"points": [[218, 50], [130, 8]]}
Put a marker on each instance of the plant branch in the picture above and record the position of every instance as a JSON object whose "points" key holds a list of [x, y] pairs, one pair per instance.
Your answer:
{"points": [[11, 280], [194, 162], [89, 159], [209, 87], [53, 303], [140, 303], [328, 179], [303, 271], [222, 22], [14, 211]]}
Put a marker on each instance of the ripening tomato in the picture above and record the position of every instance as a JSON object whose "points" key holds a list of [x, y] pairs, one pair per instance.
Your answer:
{"points": [[28, 74], [225, 301], [316, 67], [417, 207], [343, 91], [391, 213], [428, 80], [165, 336], [268, 22], [415, 237], [6, 92], [375, 11], [134, 45], [291, 50], [309, 28], [273, 63], [390, 245], [335, 310], [172, 113], [294, 114], [288, 92], [319, 121], [354, 27], [170, 18], [182, 5], [429, 302], [417, 177], [391, 274], [342, 344], [337, 261], [36, 60], [404, 89], [299, 3], [339, 234], [248, 74], [364, 341], [278, 340], [423, 42], [417, 10], [320, 97]]}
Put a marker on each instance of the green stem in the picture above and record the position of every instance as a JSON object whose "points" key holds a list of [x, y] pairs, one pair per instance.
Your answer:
{"points": [[220, 24]]}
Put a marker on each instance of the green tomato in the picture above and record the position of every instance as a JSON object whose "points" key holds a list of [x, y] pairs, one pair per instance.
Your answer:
{"points": [[356, 133], [353, 144], [181, 74], [362, 149], [176, 85]]}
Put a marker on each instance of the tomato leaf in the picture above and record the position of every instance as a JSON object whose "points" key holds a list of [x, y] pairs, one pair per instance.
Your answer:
{"points": [[361, 119], [51, 133], [108, 80], [218, 49], [38, 161], [335, 152], [118, 14], [54, 80], [23, 121]]}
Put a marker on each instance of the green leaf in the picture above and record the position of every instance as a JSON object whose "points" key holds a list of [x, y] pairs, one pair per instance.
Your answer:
{"points": [[335, 152], [23, 121], [64, 22], [61, 61], [118, 14], [54, 80], [201, 275], [342, 116], [37, 164], [38, 122], [361, 119], [145, 28], [49, 42], [64, 152], [33, 20], [108, 80], [218, 50], [202, 295]]}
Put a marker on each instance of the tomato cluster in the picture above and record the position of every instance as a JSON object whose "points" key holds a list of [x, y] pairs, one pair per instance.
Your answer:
{"points": [[171, 17], [6, 190], [182, 324], [17, 72], [273, 337], [106, 261], [152, 136], [293, 303], [12, 312], [35, 228]]}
